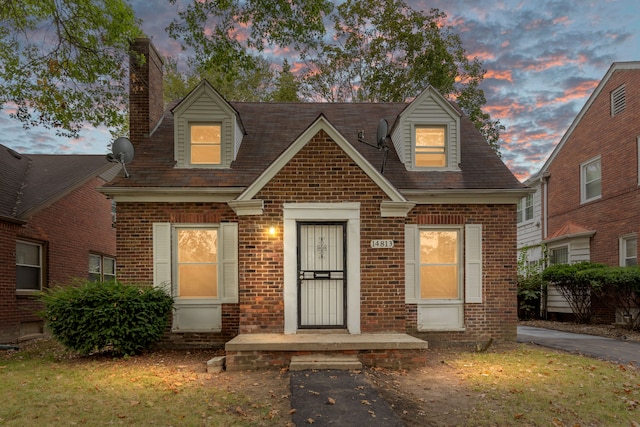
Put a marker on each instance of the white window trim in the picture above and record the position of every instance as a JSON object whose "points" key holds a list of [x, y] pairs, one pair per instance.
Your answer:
{"points": [[460, 254], [41, 266], [622, 248], [187, 147], [447, 143], [583, 180], [430, 312], [188, 309], [522, 208]]}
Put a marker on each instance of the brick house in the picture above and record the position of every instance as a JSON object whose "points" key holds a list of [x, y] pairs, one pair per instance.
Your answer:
{"points": [[54, 226], [270, 221], [589, 187]]}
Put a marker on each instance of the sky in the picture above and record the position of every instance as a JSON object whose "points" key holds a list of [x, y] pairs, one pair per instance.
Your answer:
{"points": [[543, 59]]}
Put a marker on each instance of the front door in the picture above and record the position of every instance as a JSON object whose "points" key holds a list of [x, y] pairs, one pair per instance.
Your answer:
{"points": [[321, 275]]}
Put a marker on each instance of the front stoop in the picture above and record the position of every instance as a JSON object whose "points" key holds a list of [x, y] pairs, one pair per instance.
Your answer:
{"points": [[324, 361], [264, 351]]}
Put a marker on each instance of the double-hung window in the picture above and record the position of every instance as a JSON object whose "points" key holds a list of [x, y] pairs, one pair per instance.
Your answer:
{"points": [[443, 272], [101, 268], [440, 264], [430, 146], [198, 265], [196, 262], [628, 251], [591, 180], [205, 143], [28, 266], [525, 208]]}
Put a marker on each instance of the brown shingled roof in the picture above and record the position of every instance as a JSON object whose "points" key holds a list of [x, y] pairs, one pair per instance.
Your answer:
{"points": [[271, 127], [33, 181]]}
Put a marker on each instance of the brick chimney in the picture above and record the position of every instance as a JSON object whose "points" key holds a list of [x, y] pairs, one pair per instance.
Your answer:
{"points": [[145, 89]]}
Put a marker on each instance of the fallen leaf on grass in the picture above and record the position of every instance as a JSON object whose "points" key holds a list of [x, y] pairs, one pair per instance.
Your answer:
{"points": [[310, 420], [331, 401], [365, 402]]}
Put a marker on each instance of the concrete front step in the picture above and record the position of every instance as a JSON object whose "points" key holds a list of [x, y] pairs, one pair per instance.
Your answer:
{"points": [[324, 361]]}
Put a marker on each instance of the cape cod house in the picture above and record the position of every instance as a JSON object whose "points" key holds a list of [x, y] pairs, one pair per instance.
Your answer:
{"points": [[270, 222], [54, 227]]}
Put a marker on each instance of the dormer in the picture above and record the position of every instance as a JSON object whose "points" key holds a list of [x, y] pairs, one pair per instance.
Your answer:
{"points": [[207, 130], [426, 134]]}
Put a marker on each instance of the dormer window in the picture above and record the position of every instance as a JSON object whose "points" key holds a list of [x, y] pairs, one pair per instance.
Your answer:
{"points": [[205, 144], [430, 146]]}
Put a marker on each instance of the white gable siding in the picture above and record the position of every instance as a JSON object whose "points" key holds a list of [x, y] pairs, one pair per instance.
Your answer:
{"points": [[427, 111]]}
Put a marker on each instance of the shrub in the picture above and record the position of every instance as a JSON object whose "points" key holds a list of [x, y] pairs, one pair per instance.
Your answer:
{"points": [[93, 316], [530, 286], [623, 283], [575, 288]]}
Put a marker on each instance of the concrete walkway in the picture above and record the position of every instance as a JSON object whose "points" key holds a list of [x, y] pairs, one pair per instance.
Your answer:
{"points": [[589, 345]]}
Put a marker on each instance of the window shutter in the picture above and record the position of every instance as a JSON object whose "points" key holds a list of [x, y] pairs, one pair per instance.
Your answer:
{"points": [[411, 254], [473, 263], [229, 264], [162, 255]]}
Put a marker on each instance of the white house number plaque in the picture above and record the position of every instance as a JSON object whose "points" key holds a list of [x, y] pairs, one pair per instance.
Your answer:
{"points": [[382, 244]]}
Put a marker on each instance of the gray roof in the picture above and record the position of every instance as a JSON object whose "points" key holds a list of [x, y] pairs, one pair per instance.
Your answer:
{"points": [[272, 127], [31, 182]]}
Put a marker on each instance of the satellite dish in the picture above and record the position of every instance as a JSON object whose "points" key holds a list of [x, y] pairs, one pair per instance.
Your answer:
{"points": [[381, 141], [122, 152], [383, 129]]}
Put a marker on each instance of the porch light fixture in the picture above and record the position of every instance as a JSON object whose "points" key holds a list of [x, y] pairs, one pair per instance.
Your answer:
{"points": [[272, 231]]}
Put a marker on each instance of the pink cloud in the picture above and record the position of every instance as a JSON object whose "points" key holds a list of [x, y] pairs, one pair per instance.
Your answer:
{"points": [[499, 75]]}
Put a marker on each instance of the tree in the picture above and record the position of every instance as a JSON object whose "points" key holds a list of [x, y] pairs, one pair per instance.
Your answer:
{"points": [[225, 35], [63, 63], [384, 51], [287, 86]]}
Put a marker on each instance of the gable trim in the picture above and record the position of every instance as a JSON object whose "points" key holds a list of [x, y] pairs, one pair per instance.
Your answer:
{"points": [[321, 124]]}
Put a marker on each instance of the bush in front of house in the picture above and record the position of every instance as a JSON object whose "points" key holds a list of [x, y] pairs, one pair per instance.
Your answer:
{"points": [[107, 316], [577, 289], [623, 283]]}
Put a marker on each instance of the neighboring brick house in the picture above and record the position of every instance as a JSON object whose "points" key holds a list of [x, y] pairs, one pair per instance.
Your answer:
{"points": [[273, 218], [54, 226], [589, 186]]}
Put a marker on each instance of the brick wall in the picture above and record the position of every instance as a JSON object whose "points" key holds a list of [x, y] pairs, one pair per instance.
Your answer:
{"points": [[9, 315], [617, 213], [496, 317], [146, 105], [261, 256], [74, 226], [335, 179], [135, 250]]}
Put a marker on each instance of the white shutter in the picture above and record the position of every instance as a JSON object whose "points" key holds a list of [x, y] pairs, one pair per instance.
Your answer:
{"points": [[473, 263], [162, 255], [411, 254], [229, 262]]}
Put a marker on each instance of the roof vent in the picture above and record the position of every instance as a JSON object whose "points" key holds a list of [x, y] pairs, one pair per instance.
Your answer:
{"points": [[618, 100]]}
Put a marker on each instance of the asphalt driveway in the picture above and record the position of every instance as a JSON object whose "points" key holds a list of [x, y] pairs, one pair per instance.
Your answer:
{"points": [[589, 345]]}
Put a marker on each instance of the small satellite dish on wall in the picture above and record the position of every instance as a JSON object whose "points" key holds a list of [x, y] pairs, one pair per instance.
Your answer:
{"points": [[122, 152], [381, 141]]}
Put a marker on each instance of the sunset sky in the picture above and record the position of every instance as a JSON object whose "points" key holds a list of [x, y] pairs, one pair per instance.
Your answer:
{"points": [[543, 60]]}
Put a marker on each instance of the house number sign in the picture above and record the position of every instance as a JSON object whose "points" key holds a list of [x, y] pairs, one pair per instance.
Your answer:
{"points": [[382, 243]]}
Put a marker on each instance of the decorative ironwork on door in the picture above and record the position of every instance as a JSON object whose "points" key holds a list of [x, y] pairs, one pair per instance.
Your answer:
{"points": [[321, 275]]}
